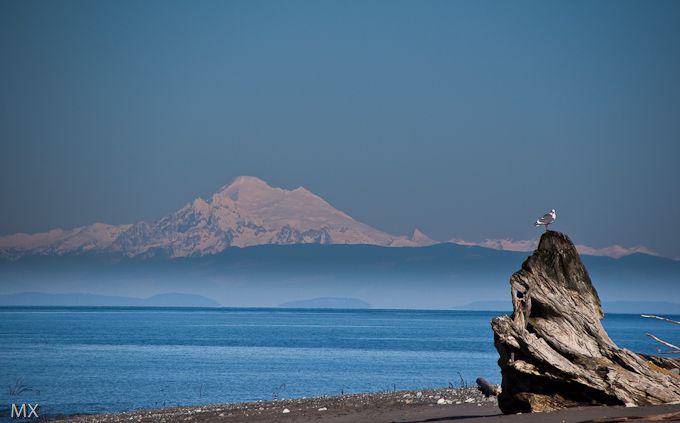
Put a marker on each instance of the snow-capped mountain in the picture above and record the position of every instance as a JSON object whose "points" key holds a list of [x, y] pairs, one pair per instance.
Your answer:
{"points": [[96, 237], [614, 251], [244, 213]]}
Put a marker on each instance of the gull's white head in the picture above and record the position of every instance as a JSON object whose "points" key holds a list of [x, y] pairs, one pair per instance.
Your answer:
{"points": [[552, 210]]}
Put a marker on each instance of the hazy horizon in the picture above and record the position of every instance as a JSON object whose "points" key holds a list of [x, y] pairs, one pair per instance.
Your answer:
{"points": [[189, 300], [441, 276]]}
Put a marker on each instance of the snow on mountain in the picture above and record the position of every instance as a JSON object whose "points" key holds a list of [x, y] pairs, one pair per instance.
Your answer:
{"points": [[418, 238], [95, 237], [500, 244], [615, 251], [244, 213]]}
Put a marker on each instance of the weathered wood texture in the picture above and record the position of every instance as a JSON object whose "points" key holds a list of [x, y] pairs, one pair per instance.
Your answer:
{"points": [[554, 352]]}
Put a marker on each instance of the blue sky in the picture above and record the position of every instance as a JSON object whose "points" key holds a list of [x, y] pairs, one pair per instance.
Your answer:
{"points": [[466, 119]]}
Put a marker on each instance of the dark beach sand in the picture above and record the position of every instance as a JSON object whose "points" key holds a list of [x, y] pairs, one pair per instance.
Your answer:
{"points": [[432, 406]]}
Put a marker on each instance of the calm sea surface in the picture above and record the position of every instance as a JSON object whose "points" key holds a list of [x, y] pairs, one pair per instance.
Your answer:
{"points": [[87, 360]]}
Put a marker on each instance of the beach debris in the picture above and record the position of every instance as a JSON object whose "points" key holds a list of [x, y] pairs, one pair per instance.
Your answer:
{"points": [[674, 349], [554, 352], [267, 410], [286, 411]]}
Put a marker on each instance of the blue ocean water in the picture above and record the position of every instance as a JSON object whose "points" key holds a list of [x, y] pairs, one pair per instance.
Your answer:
{"points": [[88, 360]]}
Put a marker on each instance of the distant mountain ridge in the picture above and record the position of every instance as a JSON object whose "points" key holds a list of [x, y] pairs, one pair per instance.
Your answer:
{"points": [[84, 299], [245, 213], [527, 245], [439, 276]]}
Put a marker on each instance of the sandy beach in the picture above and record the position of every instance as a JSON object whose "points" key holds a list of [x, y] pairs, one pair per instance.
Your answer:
{"points": [[435, 405]]}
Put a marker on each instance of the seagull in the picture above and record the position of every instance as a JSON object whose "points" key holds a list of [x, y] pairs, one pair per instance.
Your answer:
{"points": [[547, 219]]}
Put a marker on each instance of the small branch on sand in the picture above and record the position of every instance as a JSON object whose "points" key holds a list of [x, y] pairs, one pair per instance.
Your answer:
{"points": [[463, 383], [676, 350], [668, 344], [651, 316]]}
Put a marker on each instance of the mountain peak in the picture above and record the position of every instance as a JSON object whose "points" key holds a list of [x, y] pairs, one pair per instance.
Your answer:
{"points": [[249, 187], [303, 190], [248, 180], [244, 182], [307, 195], [421, 239]]}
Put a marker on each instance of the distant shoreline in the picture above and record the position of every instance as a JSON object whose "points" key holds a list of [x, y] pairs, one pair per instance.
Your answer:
{"points": [[189, 300], [286, 309]]}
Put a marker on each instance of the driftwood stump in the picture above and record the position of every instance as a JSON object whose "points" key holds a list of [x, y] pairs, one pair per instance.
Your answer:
{"points": [[554, 352]]}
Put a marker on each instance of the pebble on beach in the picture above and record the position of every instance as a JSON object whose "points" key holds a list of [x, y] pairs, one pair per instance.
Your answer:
{"points": [[264, 410]]}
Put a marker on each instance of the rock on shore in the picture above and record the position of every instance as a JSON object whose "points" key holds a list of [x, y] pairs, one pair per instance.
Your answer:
{"points": [[554, 352]]}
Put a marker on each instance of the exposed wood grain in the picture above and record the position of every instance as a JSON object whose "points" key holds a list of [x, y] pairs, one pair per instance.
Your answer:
{"points": [[563, 357]]}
